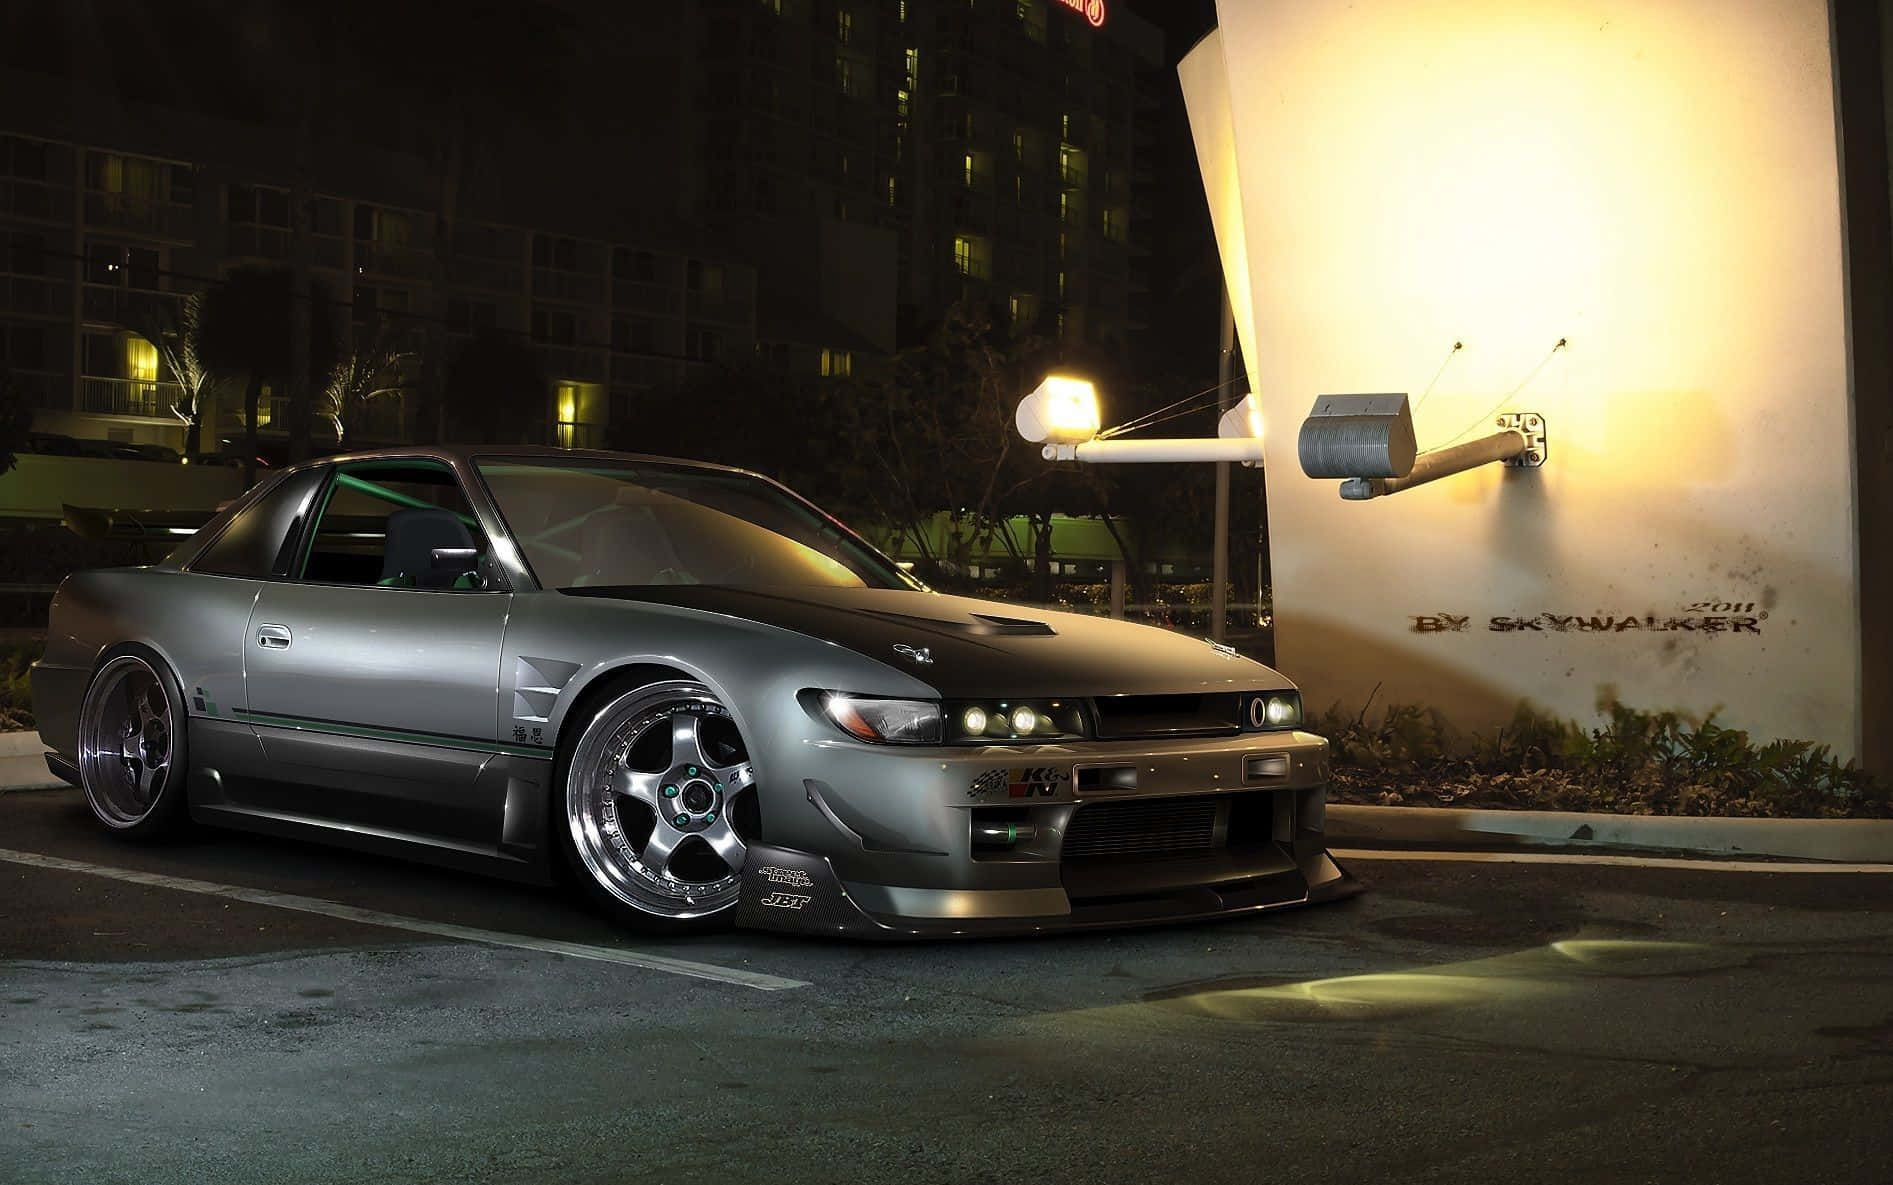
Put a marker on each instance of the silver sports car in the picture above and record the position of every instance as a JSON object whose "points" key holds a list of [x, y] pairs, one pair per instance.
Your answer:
{"points": [[683, 686]]}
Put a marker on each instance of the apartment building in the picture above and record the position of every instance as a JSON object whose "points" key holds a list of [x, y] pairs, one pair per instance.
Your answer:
{"points": [[97, 235]]}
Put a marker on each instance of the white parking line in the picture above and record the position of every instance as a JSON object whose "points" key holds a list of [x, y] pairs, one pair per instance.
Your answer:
{"points": [[1599, 858], [372, 917]]}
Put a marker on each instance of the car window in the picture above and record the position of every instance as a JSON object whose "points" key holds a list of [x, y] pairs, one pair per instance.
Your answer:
{"points": [[591, 524], [258, 541], [397, 524]]}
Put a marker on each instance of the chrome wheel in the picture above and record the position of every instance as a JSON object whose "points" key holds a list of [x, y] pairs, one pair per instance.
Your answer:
{"points": [[659, 793], [127, 742]]}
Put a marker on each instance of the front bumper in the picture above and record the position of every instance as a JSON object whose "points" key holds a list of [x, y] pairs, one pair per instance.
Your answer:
{"points": [[990, 841]]}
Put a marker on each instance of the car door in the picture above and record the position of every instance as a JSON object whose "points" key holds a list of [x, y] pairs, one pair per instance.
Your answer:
{"points": [[371, 678]]}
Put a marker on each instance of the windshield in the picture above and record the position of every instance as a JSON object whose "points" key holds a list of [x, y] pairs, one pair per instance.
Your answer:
{"points": [[584, 524]]}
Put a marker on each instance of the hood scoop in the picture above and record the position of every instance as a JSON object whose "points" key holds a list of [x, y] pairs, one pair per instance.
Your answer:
{"points": [[976, 625], [989, 624]]}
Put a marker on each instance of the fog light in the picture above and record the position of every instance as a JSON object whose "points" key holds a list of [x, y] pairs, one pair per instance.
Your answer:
{"points": [[1281, 711], [1024, 720], [974, 721]]}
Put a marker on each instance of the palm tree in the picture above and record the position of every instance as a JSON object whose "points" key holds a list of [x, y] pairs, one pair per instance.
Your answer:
{"points": [[173, 330], [244, 330], [372, 370]]}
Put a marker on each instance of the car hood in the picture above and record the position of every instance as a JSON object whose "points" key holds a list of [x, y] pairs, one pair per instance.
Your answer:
{"points": [[974, 647]]}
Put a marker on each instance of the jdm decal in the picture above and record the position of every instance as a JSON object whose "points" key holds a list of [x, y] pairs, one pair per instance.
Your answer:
{"points": [[795, 878], [786, 900]]}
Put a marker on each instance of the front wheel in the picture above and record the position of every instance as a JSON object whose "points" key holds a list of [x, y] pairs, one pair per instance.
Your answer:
{"points": [[658, 800], [132, 746]]}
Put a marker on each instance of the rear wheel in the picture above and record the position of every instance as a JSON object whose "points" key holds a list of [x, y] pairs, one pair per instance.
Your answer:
{"points": [[132, 746], [658, 798]]}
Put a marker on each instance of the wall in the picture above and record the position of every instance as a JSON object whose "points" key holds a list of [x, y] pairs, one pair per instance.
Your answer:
{"points": [[1654, 184], [38, 486]]}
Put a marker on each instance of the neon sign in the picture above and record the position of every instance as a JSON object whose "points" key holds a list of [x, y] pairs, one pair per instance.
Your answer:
{"points": [[1093, 10]]}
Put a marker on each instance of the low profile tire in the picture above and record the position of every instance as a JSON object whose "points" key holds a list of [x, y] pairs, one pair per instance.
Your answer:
{"points": [[132, 746], [656, 800]]}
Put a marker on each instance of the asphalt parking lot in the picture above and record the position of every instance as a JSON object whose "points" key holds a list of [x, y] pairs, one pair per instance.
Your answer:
{"points": [[1460, 1022]]}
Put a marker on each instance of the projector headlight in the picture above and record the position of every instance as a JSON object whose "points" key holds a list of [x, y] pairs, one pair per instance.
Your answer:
{"points": [[1271, 709], [884, 721], [996, 722]]}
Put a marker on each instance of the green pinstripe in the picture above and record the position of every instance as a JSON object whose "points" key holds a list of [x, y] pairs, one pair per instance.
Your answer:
{"points": [[367, 732]]}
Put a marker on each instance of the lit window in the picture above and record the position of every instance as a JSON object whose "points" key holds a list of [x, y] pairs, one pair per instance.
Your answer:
{"points": [[1061, 285], [1018, 147], [1071, 165], [580, 414], [900, 102], [970, 256], [1064, 207], [1114, 224], [913, 66], [844, 26], [837, 363], [903, 11], [891, 192], [772, 7], [971, 170], [844, 74], [141, 359], [1024, 308]]}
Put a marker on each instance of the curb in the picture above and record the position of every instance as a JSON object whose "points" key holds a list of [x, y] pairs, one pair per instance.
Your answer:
{"points": [[1852, 841], [21, 766], [21, 743]]}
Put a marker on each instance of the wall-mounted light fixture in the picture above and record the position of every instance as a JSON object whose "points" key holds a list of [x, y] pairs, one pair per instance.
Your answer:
{"points": [[1368, 442]]}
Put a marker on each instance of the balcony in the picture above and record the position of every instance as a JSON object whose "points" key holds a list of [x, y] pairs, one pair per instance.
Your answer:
{"points": [[34, 296], [45, 390], [127, 397], [37, 200], [142, 215]]}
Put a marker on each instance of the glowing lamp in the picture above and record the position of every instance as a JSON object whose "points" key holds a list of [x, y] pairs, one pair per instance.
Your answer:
{"points": [[1062, 410]]}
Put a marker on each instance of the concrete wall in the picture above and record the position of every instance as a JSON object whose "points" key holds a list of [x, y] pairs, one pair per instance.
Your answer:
{"points": [[38, 486], [1655, 184]]}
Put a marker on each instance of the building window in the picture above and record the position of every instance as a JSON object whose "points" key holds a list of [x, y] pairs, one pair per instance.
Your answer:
{"points": [[581, 413], [844, 26], [913, 67], [772, 7], [971, 171], [844, 75], [704, 345], [1064, 208], [556, 326], [837, 363], [971, 256], [1071, 165], [892, 191], [705, 279], [1024, 308], [902, 100], [1114, 223], [1061, 286], [632, 335], [555, 252], [639, 266]]}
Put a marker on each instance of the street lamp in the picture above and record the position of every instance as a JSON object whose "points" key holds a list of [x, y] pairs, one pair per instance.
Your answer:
{"points": [[1062, 414]]}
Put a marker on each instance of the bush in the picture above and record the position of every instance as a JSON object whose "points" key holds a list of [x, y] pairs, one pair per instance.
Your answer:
{"points": [[16, 699], [1637, 762]]}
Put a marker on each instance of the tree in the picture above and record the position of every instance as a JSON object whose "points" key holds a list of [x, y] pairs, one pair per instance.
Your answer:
{"points": [[244, 333], [373, 369], [174, 329], [495, 391], [16, 418]]}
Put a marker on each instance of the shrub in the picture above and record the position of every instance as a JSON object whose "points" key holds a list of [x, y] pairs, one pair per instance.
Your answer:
{"points": [[1636, 762], [16, 700]]}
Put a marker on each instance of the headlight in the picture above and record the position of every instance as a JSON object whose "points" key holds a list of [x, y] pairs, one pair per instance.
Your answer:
{"points": [[995, 722], [885, 721], [1272, 709]]}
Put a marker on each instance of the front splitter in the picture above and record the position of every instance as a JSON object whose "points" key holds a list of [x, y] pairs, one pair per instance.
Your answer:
{"points": [[797, 892]]}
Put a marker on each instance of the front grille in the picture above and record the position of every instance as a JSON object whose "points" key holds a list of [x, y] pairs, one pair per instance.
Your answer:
{"points": [[1121, 716], [1153, 827]]}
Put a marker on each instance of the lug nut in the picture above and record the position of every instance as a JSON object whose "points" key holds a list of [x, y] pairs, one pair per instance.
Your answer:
{"points": [[670, 792], [682, 820]]}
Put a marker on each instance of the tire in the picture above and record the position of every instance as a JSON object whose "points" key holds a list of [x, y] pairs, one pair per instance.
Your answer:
{"points": [[654, 804], [133, 746]]}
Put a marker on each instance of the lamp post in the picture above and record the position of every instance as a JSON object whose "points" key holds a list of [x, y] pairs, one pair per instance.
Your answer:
{"points": [[1062, 415]]}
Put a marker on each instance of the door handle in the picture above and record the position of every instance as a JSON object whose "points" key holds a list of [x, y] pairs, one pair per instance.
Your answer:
{"points": [[273, 637]]}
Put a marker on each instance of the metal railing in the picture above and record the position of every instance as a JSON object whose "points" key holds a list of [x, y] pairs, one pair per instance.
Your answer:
{"points": [[127, 397]]}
